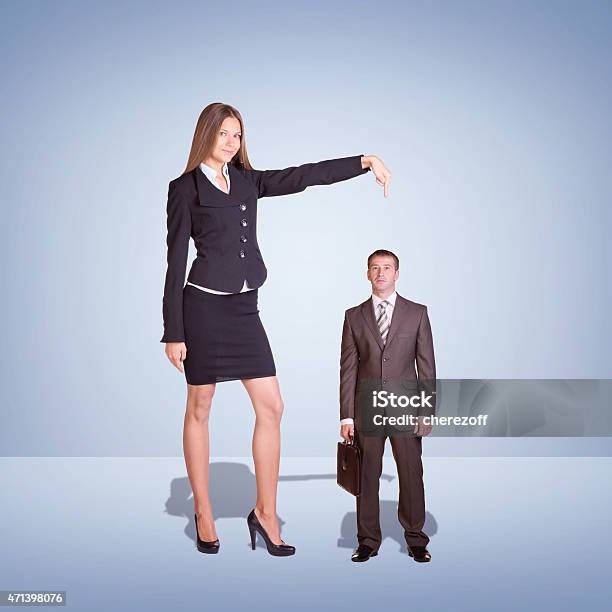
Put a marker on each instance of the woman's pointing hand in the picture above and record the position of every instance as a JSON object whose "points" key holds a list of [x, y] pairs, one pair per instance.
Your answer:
{"points": [[381, 172]]}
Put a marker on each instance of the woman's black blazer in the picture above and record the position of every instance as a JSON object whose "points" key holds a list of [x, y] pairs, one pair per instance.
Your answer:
{"points": [[224, 228]]}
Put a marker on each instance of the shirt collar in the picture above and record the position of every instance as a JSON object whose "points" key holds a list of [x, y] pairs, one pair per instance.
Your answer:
{"points": [[211, 173], [390, 299]]}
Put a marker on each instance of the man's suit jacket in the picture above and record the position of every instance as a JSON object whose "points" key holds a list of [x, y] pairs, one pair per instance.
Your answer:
{"points": [[224, 227], [364, 356]]}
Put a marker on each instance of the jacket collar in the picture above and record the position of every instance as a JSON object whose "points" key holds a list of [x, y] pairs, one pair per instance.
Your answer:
{"points": [[209, 195], [211, 173]]}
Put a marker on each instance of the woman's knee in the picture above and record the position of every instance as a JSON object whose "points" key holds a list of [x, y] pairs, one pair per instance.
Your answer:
{"points": [[271, 410], [199, 402]]}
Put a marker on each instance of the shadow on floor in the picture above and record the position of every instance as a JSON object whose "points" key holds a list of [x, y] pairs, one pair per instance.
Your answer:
{"points": [[236, 501]]}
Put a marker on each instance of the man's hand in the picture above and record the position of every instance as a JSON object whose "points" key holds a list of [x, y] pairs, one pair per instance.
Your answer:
{"points": [[420, 429], [176, 353], [347, 431]]}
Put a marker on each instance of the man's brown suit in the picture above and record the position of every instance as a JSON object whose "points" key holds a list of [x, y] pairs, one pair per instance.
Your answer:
{"points": [[364, 356]]}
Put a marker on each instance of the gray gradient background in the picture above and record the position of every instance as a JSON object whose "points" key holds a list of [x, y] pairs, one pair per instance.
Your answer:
{"points": [[493, 117]]}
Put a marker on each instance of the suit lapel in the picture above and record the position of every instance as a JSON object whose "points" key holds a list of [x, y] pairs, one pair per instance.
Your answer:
{"points": [[367, 311], [399, 311], [209, 195]]}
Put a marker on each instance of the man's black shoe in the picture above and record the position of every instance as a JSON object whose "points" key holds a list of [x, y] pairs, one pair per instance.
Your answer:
{"points": [[419, 553], [363, 553]]}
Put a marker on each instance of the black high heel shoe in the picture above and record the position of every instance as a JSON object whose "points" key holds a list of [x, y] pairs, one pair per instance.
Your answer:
{"points": [[278, 550], [203, 546]]}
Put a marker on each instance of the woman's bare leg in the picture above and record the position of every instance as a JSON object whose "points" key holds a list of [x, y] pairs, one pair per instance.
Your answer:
{"points": [[196, 449], [268, 404]]}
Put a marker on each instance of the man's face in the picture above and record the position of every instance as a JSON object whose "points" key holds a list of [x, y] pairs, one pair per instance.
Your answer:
{"points": [[382, 274]]}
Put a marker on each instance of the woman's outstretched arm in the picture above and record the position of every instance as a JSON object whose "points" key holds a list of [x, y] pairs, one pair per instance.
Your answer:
{"points": [[297, 178]]}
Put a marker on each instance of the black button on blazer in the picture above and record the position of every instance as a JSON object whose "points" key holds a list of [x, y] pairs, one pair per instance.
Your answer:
{"points": [[224, 228]]}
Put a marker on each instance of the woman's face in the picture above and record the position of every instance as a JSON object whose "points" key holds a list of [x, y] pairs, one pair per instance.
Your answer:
{"points": [[228, 140]]}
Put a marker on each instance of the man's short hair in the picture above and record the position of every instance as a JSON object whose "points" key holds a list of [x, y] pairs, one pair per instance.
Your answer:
{"points": [[384, 253]]}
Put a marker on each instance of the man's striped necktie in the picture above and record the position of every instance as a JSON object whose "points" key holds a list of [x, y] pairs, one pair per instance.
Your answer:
{"points": [[383, 320]]}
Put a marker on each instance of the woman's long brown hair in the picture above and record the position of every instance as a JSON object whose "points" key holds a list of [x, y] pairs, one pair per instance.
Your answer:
{"points": [[206, 132]]}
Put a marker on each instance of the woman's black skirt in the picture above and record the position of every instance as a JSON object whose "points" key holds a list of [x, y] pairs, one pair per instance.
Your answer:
{"points": [[225, 338]]}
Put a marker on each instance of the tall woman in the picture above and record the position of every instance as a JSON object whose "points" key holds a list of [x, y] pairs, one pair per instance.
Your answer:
{"points": [[212, 328]]}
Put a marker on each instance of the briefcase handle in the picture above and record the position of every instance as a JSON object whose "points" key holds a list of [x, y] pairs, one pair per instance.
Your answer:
{"points": [[346, 443]]}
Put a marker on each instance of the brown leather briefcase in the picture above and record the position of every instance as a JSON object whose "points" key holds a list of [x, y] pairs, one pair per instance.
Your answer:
{"points": [[348, 467]]}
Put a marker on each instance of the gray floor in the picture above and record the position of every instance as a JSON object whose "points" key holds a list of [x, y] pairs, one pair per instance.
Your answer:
{"points": [[117, 534]]}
